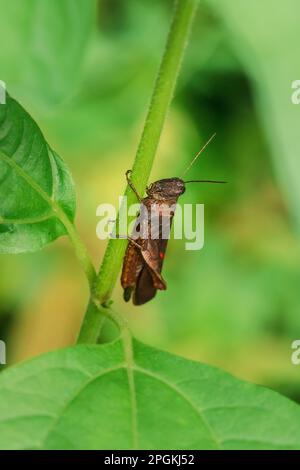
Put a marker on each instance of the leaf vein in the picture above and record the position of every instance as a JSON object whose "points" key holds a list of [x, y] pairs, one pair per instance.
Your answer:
{"points": [[185, 398], [74, 396]]}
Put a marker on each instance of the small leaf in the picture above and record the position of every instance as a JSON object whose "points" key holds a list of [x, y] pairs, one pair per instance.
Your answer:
{"points": [[89, 397], [34, 183]]}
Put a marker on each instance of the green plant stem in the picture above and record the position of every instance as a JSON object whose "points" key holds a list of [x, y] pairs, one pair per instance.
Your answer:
{"points": [[184, 11], [80, 249], [94, 319], [161, 98], [92, 323]]}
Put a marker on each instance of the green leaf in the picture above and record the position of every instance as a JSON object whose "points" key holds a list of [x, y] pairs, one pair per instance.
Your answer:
{"points": [[35, 185], [91, 397], [45, 43]]}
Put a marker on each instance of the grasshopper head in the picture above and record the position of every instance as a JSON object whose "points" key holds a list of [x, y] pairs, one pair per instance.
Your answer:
{"points": [[166, 188]]}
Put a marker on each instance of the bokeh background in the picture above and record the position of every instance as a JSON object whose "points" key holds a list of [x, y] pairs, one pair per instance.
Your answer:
{"points": [[85, 73]]}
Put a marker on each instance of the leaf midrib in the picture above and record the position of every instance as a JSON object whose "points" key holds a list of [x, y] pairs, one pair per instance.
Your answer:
{"points": [[136, 368], [29, 220], [56, 209]]}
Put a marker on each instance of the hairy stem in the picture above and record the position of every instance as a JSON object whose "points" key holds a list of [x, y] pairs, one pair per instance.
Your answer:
{"points": [[80, 249], [92, 323], [183, 14]]}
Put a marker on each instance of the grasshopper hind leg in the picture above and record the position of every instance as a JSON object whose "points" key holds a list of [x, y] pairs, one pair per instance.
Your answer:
{"points": [[127, 293]]}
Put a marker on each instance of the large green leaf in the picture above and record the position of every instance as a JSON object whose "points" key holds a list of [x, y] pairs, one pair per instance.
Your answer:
{"points": [[92, 397], [34, 181], [45, 42]]}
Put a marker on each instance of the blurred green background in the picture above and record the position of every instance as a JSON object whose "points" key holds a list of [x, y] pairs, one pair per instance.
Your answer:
{"points": [[84, 69]]}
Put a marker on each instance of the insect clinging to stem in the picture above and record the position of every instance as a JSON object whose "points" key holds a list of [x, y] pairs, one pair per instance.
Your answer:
{"points": [[141, 273]]}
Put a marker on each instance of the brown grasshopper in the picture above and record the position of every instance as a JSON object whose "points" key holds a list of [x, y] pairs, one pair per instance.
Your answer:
{"points": [[144, 257]]}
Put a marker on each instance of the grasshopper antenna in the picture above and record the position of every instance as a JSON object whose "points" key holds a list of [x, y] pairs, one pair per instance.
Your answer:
{"points": [[205, 181], [199, 153]]}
